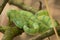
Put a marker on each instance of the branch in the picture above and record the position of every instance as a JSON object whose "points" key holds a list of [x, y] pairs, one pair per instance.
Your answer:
{"points": [[3, 29], [48, 34], [40, 6], [11, 32], [3, 5], [22, 6]]}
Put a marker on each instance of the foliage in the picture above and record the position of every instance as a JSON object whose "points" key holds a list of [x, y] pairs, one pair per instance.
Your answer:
{"points": [[31, 24]]}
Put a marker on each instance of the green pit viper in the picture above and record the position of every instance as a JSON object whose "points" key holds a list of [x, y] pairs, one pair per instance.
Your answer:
{"points": [[31, 23]]}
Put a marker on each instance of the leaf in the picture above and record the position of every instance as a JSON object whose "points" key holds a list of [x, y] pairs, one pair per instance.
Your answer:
{"points": [[45, 23], [32, 27], [33, 30], [31, 24], [19, 17], [42, 12]]}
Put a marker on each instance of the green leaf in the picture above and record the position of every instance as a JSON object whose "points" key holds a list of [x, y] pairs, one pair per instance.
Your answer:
{"points": [[32, 26], [19, 17], [33, 30], [45, 23], [42, 12]]}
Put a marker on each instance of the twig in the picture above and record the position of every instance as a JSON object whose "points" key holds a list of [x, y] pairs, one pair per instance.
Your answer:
{"points": [[3, 5], [24, 7], [51, 19]]}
